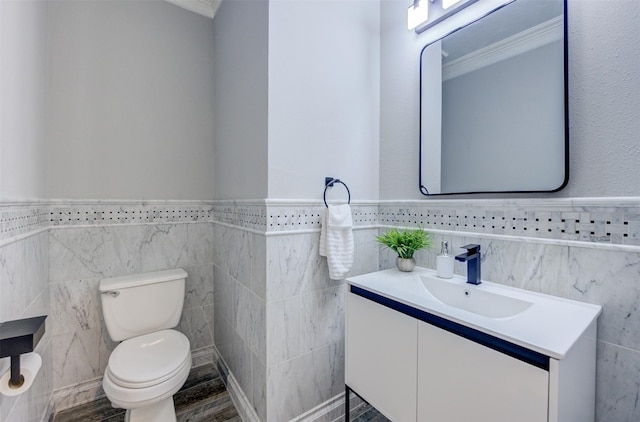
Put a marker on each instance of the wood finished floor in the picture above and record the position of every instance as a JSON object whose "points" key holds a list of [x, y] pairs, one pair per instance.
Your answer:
{"points": [[202, 398], [367, 413]]}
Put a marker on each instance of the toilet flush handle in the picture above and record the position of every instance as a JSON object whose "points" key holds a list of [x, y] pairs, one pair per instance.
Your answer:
{"points": [[112, 293]]}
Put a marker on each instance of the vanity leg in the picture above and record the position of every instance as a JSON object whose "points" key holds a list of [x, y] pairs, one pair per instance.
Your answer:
{"points": [[347, 393]]}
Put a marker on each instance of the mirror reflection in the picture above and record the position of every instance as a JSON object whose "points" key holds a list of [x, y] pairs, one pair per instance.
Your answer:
{"points": [[493, 104]]}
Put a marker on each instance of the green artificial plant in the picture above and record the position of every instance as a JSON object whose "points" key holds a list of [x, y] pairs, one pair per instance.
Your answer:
{"points": [[405, 242]]}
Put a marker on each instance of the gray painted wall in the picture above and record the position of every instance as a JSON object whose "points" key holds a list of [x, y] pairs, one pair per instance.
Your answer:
{"points": [[240, 75], [23, 45], [295, 102], [130, 101], [604, 90], [324, 84]]}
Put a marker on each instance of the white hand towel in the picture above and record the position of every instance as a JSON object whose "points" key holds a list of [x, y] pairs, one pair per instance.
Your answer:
{"points": [[336, 240]]}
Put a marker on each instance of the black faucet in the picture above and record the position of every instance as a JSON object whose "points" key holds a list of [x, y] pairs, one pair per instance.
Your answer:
{"points": [[472, 258]]}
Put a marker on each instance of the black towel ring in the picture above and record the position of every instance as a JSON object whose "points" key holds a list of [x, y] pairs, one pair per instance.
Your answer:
{"points": [[328, 183]]}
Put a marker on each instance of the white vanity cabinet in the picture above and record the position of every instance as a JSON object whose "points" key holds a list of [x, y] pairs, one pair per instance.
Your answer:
{"points": [[381, 351], [413, 361], [460, 380]]}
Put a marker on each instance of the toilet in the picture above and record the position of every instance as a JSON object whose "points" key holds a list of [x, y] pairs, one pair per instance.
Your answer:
{"points": [[153, 360]]}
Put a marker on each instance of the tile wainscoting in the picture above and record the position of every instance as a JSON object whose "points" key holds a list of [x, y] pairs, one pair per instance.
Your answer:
{"points": [[80, 256], [52, 257], [279, 323], [276, 318], [585, 249], [24, 293]]}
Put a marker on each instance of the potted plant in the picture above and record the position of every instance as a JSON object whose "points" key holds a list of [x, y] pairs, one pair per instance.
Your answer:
{"points": [[405, 243]]}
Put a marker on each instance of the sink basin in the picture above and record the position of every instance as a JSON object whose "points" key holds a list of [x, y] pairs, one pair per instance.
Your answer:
{"points": [[545, 324], [459, 294]]}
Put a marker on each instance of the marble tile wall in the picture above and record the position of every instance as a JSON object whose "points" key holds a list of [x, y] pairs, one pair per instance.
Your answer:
{"points": [[24, 293], [52, 256], [80, 256], [279, 318], [275, 312], [305, 314], [239, 307], [583, 249]]}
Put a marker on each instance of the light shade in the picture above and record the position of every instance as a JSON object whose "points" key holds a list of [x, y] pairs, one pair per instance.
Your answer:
{"points": [[448, 3], [417, 14], [445, 16]]}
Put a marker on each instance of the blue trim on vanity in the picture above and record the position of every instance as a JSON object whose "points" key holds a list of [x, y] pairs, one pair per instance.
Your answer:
{"points": [[515, 351]]}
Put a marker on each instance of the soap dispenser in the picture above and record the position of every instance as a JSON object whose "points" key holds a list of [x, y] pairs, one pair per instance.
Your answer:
{"points": [[444, 262]]}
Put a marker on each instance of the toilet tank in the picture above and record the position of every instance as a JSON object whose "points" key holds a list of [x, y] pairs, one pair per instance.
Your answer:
{"points": [[138, 304]]}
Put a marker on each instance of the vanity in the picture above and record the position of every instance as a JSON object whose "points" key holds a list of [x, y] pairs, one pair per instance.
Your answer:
{"points": [[421, 348]]}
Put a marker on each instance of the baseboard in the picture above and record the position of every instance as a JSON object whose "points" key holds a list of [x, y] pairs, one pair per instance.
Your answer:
{"points": [[241, 402], [331, 410], [76, 395], [48, 414], [328, 411], [243, 406]]}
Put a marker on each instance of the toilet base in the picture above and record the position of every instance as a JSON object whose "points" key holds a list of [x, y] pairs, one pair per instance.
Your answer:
{"points": [[162, 411]]}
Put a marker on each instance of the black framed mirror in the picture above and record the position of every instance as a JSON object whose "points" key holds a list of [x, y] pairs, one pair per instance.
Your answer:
{"points": [[494, 103]]}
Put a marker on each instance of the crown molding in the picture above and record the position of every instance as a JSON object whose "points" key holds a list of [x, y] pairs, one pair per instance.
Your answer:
{"points": [[206, 8]]}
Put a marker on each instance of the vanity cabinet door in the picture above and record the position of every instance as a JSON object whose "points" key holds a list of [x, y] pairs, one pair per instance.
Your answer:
{"points": [[462, 381], [381, 357]]}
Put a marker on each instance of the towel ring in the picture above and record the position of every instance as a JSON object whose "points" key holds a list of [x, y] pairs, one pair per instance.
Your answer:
{"points": [[329, 183]]}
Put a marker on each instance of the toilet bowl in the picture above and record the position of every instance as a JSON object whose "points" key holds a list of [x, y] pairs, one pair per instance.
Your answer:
{"points": [[153, 360], [147, 370]]}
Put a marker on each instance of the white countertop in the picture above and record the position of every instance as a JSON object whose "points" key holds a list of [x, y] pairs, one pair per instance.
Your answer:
{"points": [[550, 326]]}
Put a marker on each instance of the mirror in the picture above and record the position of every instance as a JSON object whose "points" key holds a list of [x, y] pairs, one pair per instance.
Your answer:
{"points": [[493, 103]]}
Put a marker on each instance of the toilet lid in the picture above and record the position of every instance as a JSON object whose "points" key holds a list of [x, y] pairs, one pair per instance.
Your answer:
{"points": [[153, 356]]}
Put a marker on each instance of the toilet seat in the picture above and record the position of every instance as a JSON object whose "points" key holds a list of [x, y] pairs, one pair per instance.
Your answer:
{"points": [[148, 360], [147, 369], [133, 398]]}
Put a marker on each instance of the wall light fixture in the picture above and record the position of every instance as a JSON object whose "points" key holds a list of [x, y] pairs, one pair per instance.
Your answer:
{"points": [[423, 14], [442, 17]]}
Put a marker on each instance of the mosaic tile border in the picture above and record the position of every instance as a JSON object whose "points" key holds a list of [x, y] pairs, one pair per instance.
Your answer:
{"points": [[291, 217], [613, 221], [20, 219], [71, 214], [16, 219], [250, 215]]}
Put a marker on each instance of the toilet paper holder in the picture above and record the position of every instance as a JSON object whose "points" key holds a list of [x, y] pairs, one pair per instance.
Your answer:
{"points": [[19, 337]]}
